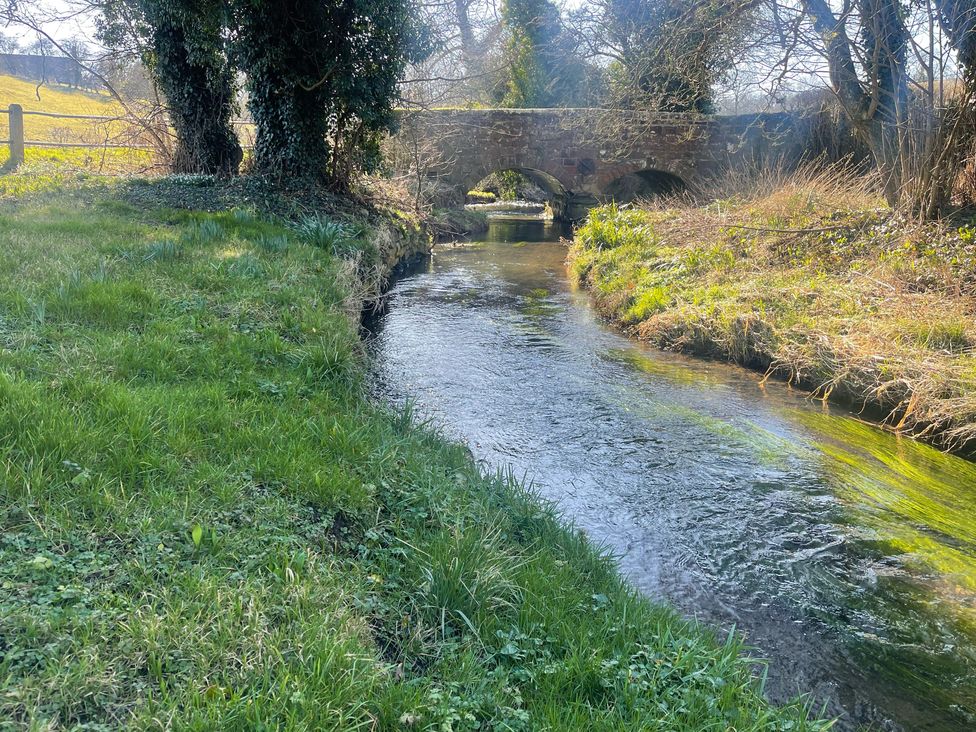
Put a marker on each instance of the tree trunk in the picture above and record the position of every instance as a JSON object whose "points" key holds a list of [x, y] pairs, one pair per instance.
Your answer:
{"points": [[292, 52], [878, 106], [467, 35], [197, 84], [291, 144]]}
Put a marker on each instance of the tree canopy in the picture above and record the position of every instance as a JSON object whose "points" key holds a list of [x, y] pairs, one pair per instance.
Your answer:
{"points": [[544, 69]]}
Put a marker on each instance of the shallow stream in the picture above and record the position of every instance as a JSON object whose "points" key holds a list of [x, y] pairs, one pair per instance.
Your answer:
{"points": [[845, 555]]}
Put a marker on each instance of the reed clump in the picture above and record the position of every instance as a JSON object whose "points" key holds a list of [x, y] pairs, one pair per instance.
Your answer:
{"points": [[810, 277]]}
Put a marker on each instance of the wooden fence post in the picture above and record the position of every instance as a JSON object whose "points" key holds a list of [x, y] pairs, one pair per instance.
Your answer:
{"points": [[16, 126]]}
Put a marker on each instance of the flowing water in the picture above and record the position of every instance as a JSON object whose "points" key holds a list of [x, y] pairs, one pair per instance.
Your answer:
{"points": [[847, 556]]}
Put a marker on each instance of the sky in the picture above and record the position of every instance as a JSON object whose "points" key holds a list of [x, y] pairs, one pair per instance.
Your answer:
{"points": [[73, 27]]}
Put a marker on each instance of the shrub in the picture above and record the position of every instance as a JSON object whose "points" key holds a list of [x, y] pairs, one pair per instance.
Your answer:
{"points": [[326, 234]]}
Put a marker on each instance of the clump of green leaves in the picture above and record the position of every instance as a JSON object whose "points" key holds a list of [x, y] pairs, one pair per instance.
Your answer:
{"points": [[164, 250], [204, 231], [327, 234], [274, 243], [341, 239]]}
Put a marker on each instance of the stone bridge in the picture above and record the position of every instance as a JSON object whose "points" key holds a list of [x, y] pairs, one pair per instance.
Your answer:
{"points": [[588, 156]]}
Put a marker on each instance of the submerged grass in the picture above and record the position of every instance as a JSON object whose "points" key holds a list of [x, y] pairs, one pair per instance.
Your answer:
{"points": [[205, 524], [811, 278]]}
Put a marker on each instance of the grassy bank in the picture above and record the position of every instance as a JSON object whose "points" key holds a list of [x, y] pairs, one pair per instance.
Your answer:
{"points": [[810, 278], [205, 524]]}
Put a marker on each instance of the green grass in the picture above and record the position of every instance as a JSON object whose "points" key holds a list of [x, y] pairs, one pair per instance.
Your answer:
{"points": [[482, 196], [42, 161], [205, 524], [812, 280]]}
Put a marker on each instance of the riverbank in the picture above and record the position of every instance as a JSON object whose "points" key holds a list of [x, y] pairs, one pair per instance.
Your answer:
{"points": [[206, 522], [810, 279], [455, 223]]}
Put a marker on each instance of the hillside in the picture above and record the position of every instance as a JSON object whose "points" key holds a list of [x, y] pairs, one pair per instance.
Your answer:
{"points": [[57, 99]]}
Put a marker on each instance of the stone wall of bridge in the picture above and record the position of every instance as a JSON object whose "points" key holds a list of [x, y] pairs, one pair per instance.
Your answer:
{"points": [[582, 153]]}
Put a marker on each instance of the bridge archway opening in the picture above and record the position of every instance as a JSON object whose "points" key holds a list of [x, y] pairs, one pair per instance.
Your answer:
{"points": [[643, 185], [526, 186]]}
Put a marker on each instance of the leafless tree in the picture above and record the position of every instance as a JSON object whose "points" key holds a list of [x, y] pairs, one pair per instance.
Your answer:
{"points": [[900, 74], [467, 62]]}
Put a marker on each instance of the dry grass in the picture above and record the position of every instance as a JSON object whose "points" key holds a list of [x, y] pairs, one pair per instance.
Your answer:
{"points": [[810, 277]]}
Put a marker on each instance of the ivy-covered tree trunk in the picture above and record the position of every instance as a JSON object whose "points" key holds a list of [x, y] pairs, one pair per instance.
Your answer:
{"points": [[291, 145], [192, 70], [182, 45], [543, 67], [958, 20], [201, 104], [287, 49], [322, 78]]}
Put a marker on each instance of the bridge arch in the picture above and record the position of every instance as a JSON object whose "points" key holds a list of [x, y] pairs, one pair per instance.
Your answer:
{"points": [[644, 184], [557, 193]]}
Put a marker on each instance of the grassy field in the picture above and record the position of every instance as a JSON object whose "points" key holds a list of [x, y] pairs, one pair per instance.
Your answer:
{"points": [[132, 157], [812, 278], [56, 97], [65, 100], [205, 524], [60, 100]]}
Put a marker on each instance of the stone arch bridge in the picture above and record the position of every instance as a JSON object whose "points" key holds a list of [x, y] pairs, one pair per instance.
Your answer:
{"points": [[588, 156]]}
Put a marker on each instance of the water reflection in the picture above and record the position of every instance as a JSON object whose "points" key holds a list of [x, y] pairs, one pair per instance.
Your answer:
{"points": [[846, 555]]}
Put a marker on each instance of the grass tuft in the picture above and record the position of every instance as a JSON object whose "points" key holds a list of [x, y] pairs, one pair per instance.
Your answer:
{"points": [[326, 234], [163, 251]]}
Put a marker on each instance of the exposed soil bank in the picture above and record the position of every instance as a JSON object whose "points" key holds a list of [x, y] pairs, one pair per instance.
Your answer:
{"points": [[814, 282]]}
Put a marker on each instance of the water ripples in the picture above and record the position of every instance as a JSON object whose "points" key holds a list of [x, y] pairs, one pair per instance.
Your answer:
{"points": [[848, 557]]}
